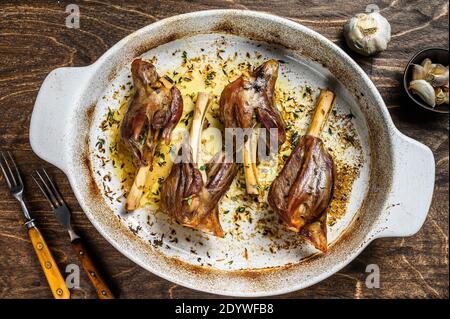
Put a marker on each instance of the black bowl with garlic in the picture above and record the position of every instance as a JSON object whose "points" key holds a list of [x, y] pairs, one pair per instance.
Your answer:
{"points": [[426, 79]]}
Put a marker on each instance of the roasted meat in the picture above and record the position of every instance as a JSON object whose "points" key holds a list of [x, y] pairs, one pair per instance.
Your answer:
{"points": [[303, 190], [247, 102], [191, 201], [188, 196], [252, 94], [152, 115]]}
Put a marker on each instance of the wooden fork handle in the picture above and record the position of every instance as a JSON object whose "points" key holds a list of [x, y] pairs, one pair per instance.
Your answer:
{"points": [[54, 277], [102, 289]]}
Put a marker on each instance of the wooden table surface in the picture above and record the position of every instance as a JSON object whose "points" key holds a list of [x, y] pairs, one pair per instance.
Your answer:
{"points": [[34, 41]]}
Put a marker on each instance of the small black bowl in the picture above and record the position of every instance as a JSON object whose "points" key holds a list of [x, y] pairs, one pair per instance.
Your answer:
{"points": [[437, 55]]}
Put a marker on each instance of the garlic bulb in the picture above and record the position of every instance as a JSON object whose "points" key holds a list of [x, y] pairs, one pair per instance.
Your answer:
{"points": [[368, 34]]}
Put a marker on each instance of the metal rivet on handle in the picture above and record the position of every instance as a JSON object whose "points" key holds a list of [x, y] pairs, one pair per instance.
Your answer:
{"points": [[59, 291], [39, 246], [48, 265]]}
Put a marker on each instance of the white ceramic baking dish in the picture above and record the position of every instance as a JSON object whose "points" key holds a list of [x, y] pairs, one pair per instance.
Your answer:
{"points": [[391, 197]]}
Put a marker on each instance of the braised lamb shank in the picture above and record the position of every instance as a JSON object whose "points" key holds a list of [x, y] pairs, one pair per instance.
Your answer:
{"points": [[303, 190], [187, 195], [156, 108], [247, 102], [152, 115]]}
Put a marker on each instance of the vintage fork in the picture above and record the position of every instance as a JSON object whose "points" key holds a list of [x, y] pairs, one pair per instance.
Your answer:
{"points": [[54, 278], [62, 214]]}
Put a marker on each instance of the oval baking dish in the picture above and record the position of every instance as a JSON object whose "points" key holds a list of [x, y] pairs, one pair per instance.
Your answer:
{"points": [[390, 198]]}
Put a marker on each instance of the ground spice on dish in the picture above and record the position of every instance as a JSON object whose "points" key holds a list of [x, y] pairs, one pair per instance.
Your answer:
{"points": [[238, 211]]}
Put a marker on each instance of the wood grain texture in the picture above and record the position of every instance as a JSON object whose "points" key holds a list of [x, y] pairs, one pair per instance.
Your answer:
{"points": [[91, 270], [34, 41], [55, 279]]}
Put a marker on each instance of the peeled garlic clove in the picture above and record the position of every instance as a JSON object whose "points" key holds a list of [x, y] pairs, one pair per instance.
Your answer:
{"points": [[418, 72], [438, 75], [424, 89], [427, 65], [441, 96]]}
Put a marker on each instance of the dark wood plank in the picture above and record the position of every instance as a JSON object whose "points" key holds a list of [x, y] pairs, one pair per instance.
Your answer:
{"points": [[34, 41]]}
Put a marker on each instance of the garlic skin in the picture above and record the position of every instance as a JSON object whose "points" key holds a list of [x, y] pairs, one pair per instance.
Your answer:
{"points": [[424, 89], [441, 96], [367, 34], [427, 65], [438, 75]]}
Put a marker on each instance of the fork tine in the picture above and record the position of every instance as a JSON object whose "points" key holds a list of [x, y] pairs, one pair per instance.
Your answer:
{"points": [[55, 190], [4, 172], [49, 192], [43, 192], [13, 182], [15, 168]]}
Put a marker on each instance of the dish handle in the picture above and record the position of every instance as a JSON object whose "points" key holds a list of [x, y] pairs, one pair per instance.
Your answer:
{"points": [[412, 190], [52, 113]]}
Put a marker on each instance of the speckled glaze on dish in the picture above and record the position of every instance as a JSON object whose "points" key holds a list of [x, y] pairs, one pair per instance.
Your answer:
{"points": [[391, 197]]}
